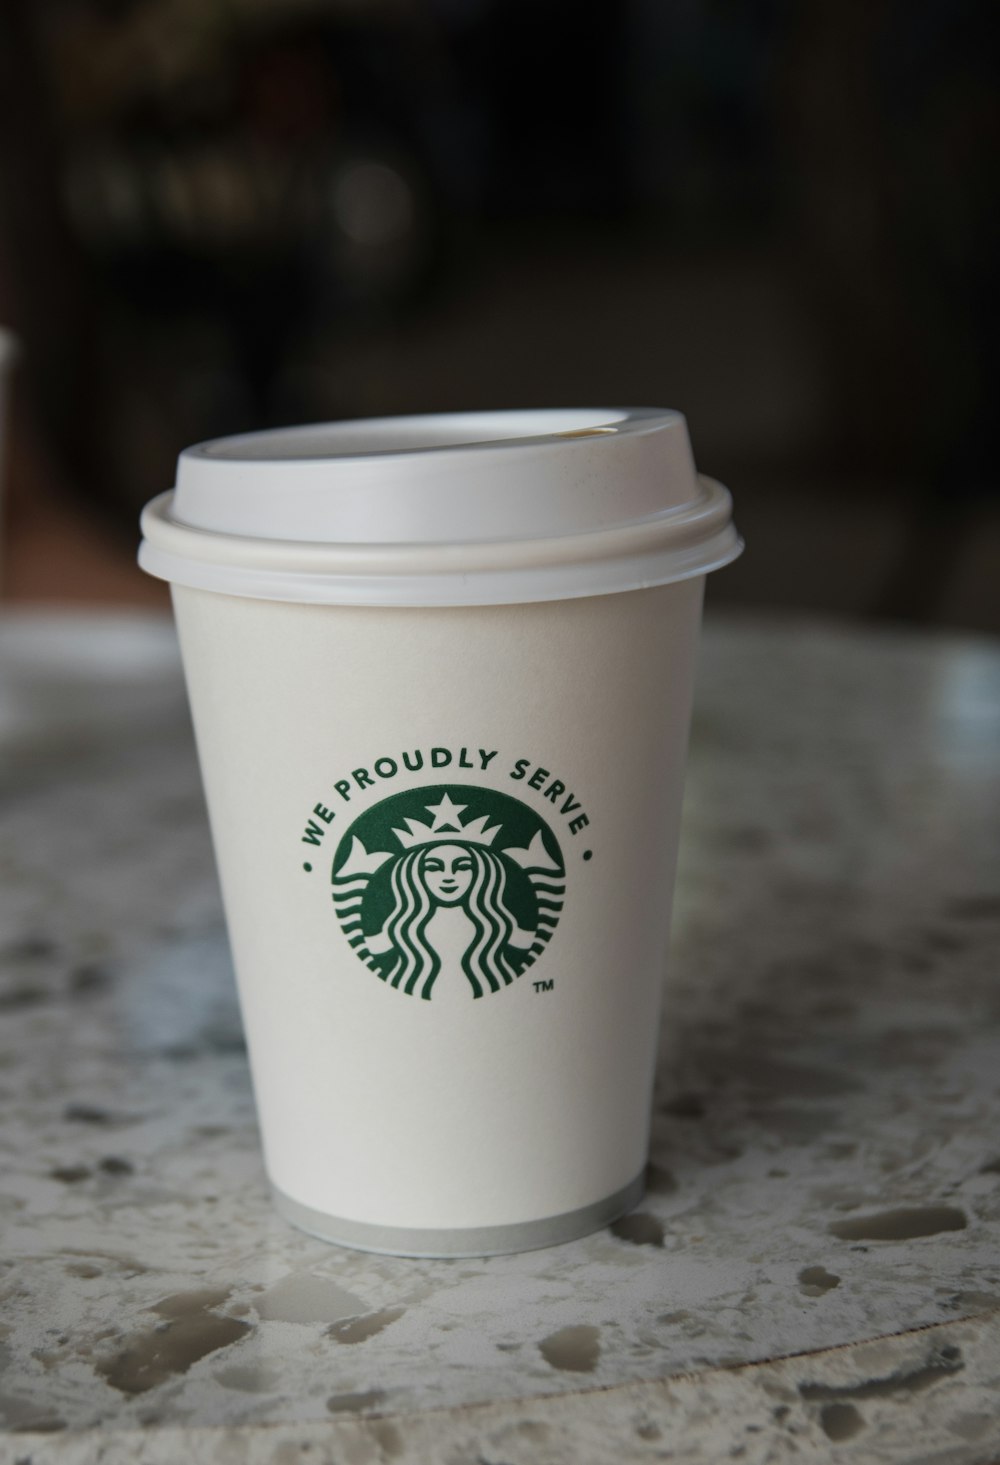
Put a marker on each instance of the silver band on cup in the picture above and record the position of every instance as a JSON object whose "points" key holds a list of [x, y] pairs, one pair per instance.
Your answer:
{"points": [[464, 1242]]}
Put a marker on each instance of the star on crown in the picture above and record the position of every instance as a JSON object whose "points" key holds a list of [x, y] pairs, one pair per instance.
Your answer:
{"points": [[446, 817]]}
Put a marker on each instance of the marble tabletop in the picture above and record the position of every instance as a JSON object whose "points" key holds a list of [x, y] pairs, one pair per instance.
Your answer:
{"points": [[816, 1264]]}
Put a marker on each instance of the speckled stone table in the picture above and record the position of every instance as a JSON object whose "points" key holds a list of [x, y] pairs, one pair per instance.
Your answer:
{"points": [[815, 1270]]}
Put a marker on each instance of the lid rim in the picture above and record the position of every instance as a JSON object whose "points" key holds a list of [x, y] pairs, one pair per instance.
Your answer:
{"points": [[454, 592], [682, 542]]}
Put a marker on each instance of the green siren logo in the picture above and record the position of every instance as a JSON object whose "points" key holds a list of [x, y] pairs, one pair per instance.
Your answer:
{"points": [[448, 878]]}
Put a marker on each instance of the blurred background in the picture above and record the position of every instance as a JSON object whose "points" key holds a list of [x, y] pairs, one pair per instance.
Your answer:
{"points": [[217, 215]]}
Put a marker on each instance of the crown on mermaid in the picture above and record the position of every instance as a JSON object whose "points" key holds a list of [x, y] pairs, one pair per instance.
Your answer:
{"points": [[446, 825]]}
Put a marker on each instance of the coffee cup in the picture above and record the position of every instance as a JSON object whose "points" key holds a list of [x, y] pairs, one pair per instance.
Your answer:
{"points": [[440, 671]]}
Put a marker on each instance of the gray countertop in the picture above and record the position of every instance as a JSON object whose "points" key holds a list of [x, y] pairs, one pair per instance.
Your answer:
{"points": [[816, 1265]]}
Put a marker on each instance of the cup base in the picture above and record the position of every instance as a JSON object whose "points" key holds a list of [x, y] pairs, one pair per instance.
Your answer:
{"points": [[462, 1242]]}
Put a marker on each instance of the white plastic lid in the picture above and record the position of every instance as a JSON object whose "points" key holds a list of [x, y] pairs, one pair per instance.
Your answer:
{"points": [[456, 509]]}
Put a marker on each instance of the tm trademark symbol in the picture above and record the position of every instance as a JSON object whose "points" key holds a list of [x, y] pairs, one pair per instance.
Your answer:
{"points": [[544, 986]]}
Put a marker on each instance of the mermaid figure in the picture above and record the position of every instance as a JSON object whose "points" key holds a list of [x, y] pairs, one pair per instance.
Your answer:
{"points": [[444, 866]]}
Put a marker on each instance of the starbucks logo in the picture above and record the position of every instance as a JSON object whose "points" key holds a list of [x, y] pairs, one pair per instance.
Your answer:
{"points": [[448, 882]]}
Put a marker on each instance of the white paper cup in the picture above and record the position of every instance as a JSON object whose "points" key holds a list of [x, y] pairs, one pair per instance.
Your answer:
{"points": [[440, 672]]}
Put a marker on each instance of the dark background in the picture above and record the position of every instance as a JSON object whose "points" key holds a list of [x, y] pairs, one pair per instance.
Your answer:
{"points": [[781, 219]]}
